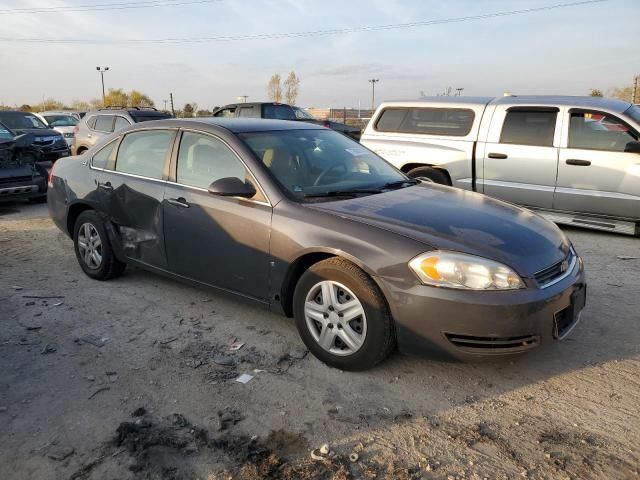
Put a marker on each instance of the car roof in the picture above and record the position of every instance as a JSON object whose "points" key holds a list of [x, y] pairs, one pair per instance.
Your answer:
{"points": [[565, 100], [57, 112], [15, 112], [236, 125]]}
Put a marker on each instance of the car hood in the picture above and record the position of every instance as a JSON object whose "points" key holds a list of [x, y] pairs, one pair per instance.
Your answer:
{"points": [[37, 132], [452, 219]]}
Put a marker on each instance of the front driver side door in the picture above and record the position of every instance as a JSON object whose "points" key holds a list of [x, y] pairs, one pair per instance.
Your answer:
{"points": [[220, 241], [595, 174]]}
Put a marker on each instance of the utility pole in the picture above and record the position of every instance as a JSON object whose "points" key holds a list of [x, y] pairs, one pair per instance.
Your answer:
{"points": [[173, 112], [243, 98], [102, 70], [459, 91], [634, 97], [165, 105], [373, 82]]}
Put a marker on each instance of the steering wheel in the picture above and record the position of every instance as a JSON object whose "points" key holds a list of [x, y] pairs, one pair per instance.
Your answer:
{"points": [[325, 171]]}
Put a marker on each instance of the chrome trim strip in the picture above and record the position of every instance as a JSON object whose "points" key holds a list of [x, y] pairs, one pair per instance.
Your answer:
{"points": [[569, 271], [133, 175]]}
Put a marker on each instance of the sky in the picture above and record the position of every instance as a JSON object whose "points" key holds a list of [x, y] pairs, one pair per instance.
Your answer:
{"points": [[561, 51]]}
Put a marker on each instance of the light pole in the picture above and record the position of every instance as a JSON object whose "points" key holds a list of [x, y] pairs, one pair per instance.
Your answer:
{"points": [[102, 70], [373, 82], [634, 96], [459, 90], [243, 98]]}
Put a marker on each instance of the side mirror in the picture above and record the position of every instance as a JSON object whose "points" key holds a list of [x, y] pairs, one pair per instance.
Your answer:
{"points": [[232, 187], [632, 147]]}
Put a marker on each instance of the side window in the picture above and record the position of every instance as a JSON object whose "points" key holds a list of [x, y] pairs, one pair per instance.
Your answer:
{"points": [[599, 131], [456, 122], [120, 123], [104, 123], [91, 122], [227, 112], [203, 159], [529, 127], [100, 159], [278, 112], [248, 112], [143, 153]]}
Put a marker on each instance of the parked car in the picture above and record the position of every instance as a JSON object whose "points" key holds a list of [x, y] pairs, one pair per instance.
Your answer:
{"points": [[101, 123], [574, 160], [282, 111], [311, 224], [22, 174], [51, 144], [63, 122]]}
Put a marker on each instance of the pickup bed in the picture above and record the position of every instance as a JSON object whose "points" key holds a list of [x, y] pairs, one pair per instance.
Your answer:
{"points": [[575, 160]]}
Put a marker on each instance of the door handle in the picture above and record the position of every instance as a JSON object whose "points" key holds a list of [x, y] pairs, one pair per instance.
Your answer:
{"points": [[500, 156], [580, 163], [178, 202], [105, 186]]}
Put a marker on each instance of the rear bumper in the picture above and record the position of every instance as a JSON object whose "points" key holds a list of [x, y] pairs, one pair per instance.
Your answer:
{"points": [[470, 324]]}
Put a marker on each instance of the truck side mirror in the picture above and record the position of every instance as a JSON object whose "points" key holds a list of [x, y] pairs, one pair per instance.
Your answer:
{"points": [[632, 147]]}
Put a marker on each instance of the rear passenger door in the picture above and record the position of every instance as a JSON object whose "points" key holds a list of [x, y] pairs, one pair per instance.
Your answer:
{"points": [[132, 188], [520, 157]]}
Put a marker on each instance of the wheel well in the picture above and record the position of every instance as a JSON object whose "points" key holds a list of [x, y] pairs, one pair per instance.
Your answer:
{"points": [[79, 150], [410, 166], [296, 270], [74, 213]]}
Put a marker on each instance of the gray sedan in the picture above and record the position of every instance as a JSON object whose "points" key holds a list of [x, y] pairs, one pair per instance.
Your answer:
{"points": [[311, 224]]}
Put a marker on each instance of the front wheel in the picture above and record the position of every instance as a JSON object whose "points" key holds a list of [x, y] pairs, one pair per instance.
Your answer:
{"points": [[93, 249], [342, 316], [429, 174]]}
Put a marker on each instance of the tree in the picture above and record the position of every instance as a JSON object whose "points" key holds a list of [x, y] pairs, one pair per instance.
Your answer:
{"points": [[291, 86], [203, 113], [81, 105], [596, 93], [48, 104], [138, 99], [187, 111], [274, 88], [25, 108], [116, 97], [624, 93]]}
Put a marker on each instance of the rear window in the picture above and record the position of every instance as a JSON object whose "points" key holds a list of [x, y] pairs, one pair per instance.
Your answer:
{"points": [[278, 112], [529, 127], [104, 123], [455, 122]]}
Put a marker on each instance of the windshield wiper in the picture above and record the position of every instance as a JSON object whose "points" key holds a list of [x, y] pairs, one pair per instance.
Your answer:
{"points": [[398, 184], [344, 193]]}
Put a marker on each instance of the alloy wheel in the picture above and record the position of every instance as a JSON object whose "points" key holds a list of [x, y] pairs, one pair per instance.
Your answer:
{"points": [[90, 246], [335, 318]]}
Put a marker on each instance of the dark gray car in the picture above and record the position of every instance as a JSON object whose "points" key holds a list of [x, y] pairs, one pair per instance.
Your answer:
{"points": [[311, 224]]}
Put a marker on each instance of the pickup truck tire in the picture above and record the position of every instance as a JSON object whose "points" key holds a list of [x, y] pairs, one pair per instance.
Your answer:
{"points": [[430, 174]]}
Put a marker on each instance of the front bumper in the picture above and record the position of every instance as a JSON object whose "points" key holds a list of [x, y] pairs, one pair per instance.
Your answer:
{"points": [[466, 324], [37, 187]]}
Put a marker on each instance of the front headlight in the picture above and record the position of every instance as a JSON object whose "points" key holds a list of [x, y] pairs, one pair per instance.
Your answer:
{"points": [[460, 270]]}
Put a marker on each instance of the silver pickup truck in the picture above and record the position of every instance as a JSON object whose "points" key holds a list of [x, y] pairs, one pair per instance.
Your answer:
{"points": [[575, 160]]}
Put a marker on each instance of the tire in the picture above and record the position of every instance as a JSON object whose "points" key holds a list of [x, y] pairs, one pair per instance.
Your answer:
{"points": [[81, 150], [429, 174], [89, 225], [370, 335]]}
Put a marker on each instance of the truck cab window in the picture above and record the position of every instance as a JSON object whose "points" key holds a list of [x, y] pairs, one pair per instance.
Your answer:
{"points": [[599, 131], [529, 127]]}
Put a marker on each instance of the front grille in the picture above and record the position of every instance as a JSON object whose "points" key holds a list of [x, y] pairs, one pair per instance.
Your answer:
{"points": [[555, 271], [5, 181], [493, 344]]}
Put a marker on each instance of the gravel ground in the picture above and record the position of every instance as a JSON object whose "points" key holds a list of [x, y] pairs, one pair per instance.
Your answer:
{"points": [[119, 380]]}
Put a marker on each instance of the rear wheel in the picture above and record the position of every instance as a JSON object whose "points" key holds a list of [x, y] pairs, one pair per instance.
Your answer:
{"points": [[429, 174], [342, 316], [93, 249]]}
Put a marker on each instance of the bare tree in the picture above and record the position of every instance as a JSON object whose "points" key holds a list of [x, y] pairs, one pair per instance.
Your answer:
{"points": [[291, 86], [274, 88], [624, 93]]}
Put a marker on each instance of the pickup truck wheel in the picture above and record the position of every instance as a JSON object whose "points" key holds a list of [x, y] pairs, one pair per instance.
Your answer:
{"points": [[429, 174], [342, 316]]}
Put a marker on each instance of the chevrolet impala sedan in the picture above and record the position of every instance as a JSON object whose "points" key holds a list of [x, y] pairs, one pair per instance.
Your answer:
{"points": [[311, 224]]}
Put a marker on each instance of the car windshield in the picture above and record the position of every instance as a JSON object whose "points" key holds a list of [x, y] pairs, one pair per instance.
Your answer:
{"points": [[61, 120], [5, 134], [21, 120], [312, 164], [302, 114], [634, 112]]}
